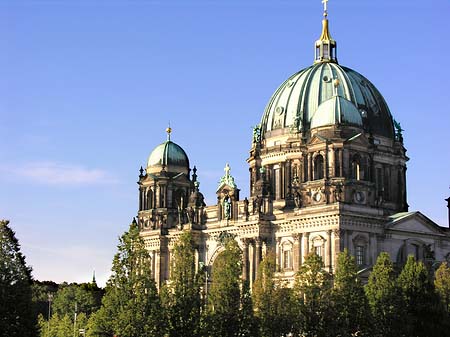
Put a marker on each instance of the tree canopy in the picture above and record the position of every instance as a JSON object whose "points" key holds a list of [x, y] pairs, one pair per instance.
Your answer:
{"points": [[131, 306], [17, 316]]}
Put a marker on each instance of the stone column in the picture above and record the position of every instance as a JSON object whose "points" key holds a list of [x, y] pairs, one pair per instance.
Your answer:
{"points": [[372, 248], [296, 251], [245, 262], [305, 245], [336, 246], [349, 242], [330, 162], [157, 269], [328, 252], [258, 255], [341, 161], [310, 167]]}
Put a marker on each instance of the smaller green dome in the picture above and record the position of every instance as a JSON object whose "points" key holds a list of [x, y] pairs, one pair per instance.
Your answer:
{"points": [[334, 111], [170, 155]]}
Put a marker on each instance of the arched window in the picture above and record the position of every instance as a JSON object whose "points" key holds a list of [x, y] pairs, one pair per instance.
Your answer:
{"points": [[318, 167], [318, 245], [356, 167]]}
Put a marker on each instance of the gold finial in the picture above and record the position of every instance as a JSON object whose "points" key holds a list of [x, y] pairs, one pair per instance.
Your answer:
{"points": [[169, 131], [325, 9], [325, 46]]}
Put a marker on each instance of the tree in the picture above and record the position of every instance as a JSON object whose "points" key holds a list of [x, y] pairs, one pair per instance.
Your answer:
{"points": [[69, 296], [248, 324], [16, 310], [384, 298], [224, 296], [40, 296], [442, 285], [272, 300], [131, 305], [421, 303], [352, 314], [312, 290], [182, 297]]}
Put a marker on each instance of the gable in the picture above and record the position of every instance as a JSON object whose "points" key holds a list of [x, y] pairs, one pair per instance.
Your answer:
{"points": [[317, 139], [413, 222]]}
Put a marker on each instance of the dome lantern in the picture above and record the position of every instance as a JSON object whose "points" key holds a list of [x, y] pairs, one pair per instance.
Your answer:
{"points": [[325, 46]]}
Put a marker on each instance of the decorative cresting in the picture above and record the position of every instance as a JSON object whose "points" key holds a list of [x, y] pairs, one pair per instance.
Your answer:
{"points": [[168, 156], [325, 46]]}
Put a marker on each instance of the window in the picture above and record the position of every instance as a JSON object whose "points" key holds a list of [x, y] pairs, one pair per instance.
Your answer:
{"points": [[325, 51], [318, 167], [287, 259], [360, 255], [318, 250], [356, 166]]}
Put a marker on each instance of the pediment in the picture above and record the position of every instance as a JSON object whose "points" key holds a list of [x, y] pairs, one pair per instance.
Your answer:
{"points": [[225, 188], [317, 139], [413, 222]]}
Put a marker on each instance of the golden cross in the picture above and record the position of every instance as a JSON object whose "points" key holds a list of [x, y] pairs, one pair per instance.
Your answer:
{"points": [[325, 9]]}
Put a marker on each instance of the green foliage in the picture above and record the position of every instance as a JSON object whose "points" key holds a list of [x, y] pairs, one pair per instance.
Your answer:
{"points": [[442, 285], [40, 295], [248, 324], [224, 296], [384, 298], [421, 303], [182, 298], [273, 302], [131, 305], [70, 295], [16, 310], [312, 291], [351, 311]]}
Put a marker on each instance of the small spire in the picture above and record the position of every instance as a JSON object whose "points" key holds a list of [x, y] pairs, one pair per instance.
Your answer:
{"points": [[325, 46], [93, 277], [169, 131], [194, 176]]}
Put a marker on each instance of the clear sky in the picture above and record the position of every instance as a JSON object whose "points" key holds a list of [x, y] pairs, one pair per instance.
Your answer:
{"points": [[87, 88]]}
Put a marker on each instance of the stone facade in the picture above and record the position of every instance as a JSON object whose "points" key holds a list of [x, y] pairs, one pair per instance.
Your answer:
{"points": [[327, 171]]}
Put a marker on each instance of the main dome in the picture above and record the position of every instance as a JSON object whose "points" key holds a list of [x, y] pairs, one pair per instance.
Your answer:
{"points": [[295, 102], [170, 155]]}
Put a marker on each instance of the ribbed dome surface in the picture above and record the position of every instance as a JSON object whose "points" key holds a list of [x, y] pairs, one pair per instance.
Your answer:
{"points": [[168, 154], [296, 101]]}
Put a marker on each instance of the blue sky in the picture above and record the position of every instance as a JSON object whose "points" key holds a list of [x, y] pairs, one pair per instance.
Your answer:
{"points": [[88, 87]]}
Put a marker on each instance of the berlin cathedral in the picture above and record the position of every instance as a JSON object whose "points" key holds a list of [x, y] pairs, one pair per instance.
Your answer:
{"points": [[327, 170]]}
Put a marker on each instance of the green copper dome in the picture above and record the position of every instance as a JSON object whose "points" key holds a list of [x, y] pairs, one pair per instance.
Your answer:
{"points": [[169, 155], [336, 110], [301, 97]]}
